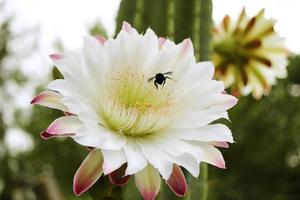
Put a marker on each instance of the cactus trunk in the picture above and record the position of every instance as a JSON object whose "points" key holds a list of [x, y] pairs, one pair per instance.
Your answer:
{"points": [[177, 20]]}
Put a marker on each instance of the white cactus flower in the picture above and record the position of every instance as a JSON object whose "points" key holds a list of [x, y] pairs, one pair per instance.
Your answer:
{"points": [[143, 105]]}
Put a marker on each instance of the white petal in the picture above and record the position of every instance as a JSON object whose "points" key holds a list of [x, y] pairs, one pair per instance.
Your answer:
{"points": [[177, 147], [135, 159], [188, 162], [63, 126], [50, 99], [126, 27], [196, 72], [211, 154], [93, 135], [113, 159], [68, 65], [157, 157], [209, 133], [84, 110], [196, 119], [61, 86], [94, 60]]}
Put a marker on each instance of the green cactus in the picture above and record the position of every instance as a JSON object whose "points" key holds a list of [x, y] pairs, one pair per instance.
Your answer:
{"points": [[177, 20]]}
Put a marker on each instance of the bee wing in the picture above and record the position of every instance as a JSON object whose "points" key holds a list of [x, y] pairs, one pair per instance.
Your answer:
{"points": [[167, 73], [151, 79]]}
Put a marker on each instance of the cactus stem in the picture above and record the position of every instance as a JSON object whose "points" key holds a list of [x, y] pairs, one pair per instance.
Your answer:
{"points": [[138, 16], [170, 18]]}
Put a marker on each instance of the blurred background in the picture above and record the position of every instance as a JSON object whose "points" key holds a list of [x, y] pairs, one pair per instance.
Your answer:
{"points": [[263, 164]]}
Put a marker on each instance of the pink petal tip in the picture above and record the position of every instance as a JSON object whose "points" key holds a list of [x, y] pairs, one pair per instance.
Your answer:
{"points": [[161, 41], [100, 39], [47, 135], [117, 177], [221, 144], [221, 164], [177, 181], [36, 99], [55, 57], [126, 27]]}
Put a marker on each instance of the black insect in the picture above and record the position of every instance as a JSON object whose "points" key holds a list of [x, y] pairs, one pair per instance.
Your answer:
{"points": [[160, 78]]}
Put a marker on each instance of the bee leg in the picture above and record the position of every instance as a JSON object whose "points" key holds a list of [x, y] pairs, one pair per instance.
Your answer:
{"points": [[164, 82], [168, 77], [156, 85]]}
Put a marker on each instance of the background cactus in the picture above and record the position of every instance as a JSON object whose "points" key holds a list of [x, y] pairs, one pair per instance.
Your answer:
{"points": [[177, 20]]}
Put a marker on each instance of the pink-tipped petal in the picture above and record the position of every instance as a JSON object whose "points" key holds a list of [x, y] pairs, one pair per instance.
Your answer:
{"points": [[63, 126], [56, 56], [212, 156], [126, 27], [117, 177], [177, 181], [88, 173], [187, 47], [148, 182], [161, 41], [100, 39], [229, 101], [220, 144], [49, 99], [68, 114]]}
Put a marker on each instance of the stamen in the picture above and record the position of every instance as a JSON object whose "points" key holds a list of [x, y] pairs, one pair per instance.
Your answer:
{"points": [[134, 107]]}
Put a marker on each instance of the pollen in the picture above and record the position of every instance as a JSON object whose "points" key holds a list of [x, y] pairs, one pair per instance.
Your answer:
{"points": [[134, 106]]}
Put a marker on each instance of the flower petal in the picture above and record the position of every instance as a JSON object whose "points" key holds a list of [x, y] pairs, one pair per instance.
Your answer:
{"points": [[188, 162], [94, 60], [68, 65], [161, 41], [61, 86], [50, 99], [94, 135], [100, 39], [211, 154], [63, 126], [157, 157], [117, 177], [195, 119], [177, 181], [220, 144], [135, 159], [56, 56], [196, 72], [113, 159], [127, 28], [148, 182], [88, 173], [208, 133]]}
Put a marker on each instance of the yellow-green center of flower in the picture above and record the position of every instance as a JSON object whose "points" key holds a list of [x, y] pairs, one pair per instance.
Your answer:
{"points": [[133, 106]]}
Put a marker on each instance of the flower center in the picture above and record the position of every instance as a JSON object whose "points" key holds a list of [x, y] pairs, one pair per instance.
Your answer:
{"points": [[133, 106]]}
